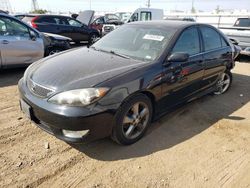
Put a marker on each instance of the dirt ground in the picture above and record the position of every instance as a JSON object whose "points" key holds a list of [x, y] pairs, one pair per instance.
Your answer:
{"points": [[203, 144]]}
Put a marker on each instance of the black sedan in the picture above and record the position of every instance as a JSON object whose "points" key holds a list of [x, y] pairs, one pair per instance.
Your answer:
{"points": [[132, 76]]}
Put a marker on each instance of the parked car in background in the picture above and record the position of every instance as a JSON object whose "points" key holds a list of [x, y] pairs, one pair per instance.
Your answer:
{"points": [[239, 34], [146, 14], [108, 19], [124, 16], [129, 77], [62, 25], [140, 14], [22, 45]]}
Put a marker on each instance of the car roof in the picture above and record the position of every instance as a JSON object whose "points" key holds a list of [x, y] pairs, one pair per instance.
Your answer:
{"points": [[166, 23]]}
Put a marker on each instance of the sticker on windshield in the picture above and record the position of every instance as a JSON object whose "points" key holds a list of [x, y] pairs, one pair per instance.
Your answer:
{"points": [[153, 37]]}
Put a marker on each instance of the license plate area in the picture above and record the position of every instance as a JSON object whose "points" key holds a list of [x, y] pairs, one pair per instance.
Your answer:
{"points": [[26, 109]]}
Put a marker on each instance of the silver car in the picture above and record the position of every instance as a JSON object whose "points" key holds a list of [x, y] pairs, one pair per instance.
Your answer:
{"points": [[20, 45]]}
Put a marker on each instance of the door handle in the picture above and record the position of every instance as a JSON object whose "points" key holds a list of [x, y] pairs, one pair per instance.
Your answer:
{"points": [[5, 42]]}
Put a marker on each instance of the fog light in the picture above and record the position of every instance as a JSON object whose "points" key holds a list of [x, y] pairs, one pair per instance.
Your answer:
{"points": [[75, 134]]}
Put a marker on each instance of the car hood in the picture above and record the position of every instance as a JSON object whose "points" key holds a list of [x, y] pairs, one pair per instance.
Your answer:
{"points": [[80, 68], [86, 17]]}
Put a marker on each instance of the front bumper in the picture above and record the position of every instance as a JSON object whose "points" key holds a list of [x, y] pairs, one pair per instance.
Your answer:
{"points": [[54, 118]]}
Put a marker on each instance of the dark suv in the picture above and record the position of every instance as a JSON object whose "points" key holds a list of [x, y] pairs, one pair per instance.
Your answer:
{"points": [[62, 25]]}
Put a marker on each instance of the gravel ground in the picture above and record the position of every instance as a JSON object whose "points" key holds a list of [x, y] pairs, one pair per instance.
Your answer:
{"points": [[202, 144]]}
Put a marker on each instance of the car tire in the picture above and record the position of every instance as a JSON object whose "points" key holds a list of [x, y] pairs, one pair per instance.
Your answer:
{"points": [[53, 51], [224, 83], [132, 119], [92, 38]]}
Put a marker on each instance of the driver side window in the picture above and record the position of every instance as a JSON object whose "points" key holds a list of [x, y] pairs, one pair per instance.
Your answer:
{"points": [[188, 42], [11, 28]]}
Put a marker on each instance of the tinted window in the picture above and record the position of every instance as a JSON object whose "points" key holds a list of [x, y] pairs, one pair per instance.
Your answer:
{"points": [[13, 28], [47, 19], [188, 42], [211, 38], [134, 17], [243, 22], [146, 16], [74, 23], [99, 20]]}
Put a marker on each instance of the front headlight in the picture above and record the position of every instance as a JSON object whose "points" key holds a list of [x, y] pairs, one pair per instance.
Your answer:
{"points": [[79, 97]]}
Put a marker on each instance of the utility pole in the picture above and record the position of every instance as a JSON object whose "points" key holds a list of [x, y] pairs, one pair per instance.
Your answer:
{"points": [[148, 4], [34, 5]]}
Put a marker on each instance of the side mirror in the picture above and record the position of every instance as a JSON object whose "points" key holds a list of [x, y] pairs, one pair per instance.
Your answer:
{"points": [[233, 41], [178, 57]]}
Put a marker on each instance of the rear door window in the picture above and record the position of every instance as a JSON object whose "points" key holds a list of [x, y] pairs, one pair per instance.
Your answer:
{"points": [[211, 38], [47, 19], [188, 42]]}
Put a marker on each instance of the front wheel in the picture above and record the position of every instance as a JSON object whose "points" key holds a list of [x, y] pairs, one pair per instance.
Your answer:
{"points": [[132, 120], [224, 83], [93, 38], [53, 51]]}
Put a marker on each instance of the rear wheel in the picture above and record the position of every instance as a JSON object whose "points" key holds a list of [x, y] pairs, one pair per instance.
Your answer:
{"points": [[224, 83], [132, 120]]}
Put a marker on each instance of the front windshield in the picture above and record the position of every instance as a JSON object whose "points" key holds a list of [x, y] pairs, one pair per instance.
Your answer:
{"points": [[139, 42]]}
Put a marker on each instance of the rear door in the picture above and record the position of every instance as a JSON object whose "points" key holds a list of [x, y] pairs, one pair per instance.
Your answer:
{"points": [[78, 31], [48, 24], [16, 45], [183, 79], [217, 53]]}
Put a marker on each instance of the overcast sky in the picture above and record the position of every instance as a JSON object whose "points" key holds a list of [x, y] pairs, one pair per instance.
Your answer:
{"points": [[129, 5]]}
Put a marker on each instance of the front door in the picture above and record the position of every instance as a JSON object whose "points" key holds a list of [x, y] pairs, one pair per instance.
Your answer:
{"points": [[16, 45], [182, 79]]}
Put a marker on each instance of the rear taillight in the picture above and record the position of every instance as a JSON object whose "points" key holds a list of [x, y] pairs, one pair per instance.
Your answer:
{"points": [[33, 24]]}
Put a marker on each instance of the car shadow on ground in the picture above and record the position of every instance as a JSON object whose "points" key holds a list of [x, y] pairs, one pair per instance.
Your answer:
{"points": [[9, 77], [179, 126]]}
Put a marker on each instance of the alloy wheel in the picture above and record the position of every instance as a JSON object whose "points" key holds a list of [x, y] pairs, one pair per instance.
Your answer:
{"points": [[135, 120], [223, 84]]}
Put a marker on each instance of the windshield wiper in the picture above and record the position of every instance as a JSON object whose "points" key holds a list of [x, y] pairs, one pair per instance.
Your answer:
{"points": [[118, 54], [111, 51]]}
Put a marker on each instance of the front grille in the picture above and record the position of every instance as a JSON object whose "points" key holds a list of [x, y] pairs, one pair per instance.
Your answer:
{"points": [[40, 91]]}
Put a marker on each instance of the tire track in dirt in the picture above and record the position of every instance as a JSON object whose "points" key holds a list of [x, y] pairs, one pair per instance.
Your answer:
{"points": [[68, 164]]}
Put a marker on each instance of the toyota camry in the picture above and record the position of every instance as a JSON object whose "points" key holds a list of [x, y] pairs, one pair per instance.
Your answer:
{"points": [[132, 76]]}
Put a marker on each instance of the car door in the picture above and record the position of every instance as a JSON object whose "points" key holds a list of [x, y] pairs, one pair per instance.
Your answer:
{"points": [[16, 44], [79, 31], [217, 52], [182, 79], [48, 24]]}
